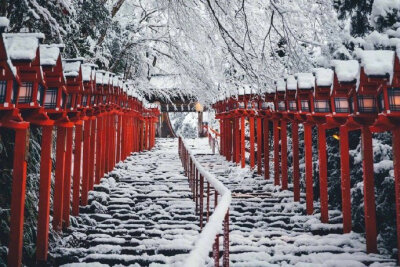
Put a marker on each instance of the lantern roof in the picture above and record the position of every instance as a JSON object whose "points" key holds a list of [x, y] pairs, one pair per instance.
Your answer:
{"points": [[99, 76], [346, 70], [305, 80], [291, 82], [22, 46], [72, 67], [87, 72], [280, 85], [323, 77], [49, 54], [377, 62]]}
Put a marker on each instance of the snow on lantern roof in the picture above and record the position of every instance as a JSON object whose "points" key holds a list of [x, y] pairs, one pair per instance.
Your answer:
{"points": [[377, 62], [291, 82], [106, 78], [71, 67], [49, 54], [87, 72], [22, 46], [280, 85], [99, 76], [323, 77], [116, 81], [246, 90], [305, 80], [346, 70]]}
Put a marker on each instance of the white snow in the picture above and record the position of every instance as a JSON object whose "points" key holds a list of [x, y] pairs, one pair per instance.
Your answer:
{"points": [[291, 82], [346, 70], [49, 54], [377, 62], [305, 80], [86, 72], [71, 68], [281, 85], [323, 77], [4, 22], [22, 46], [99, 76]]}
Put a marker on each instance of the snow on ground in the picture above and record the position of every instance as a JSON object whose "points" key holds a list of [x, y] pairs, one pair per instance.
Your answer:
{"points": [[142, 214], [269, 229]]}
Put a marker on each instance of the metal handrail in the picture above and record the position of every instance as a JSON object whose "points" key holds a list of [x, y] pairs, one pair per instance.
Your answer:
{"points": [[197, 176]]}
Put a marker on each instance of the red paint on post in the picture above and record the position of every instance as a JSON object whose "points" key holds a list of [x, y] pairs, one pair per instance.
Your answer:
{"points": [[85, 167], [284, 155], [396, 163], [59, 178], [323, 179], [276, 153], [242, 143], [296, 167], [252, 141], [44, 195], [345, 179], [309, 171], [77, 169], [369, 192], [18, 198], [259, 145], [92, 150], [266, 148], [67, 178]]}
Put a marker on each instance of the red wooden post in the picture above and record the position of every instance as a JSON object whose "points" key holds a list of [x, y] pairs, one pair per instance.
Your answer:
{"points": [[201, 200], [284, 163], [229, 139], [237, 140], [85, 167], [92, 150], [208, 201], [369, 192], [67, 177], [259, 145], [345, 178], [225, 260], [119, 127], [44, 195], [77, 169], [59, 178], [296, 168], [323, 179], [216, 242], [98, 147], [276, 153], [396, 163], [18, 197], [309, 171], [266, 148], [242, 142], [222, 137], [252, 139]]}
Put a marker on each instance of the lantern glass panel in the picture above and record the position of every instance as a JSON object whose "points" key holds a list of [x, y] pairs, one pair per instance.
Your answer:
{"points": [[50, 99], [14, 92], [394, 99], [381, 102], [92, 99], [3, 91], [281, 105], [292, 105], [40, 94], [84, 100], [63, 98], [25, 92], [342, 105], [69, 101], [249, 105], [241, 105], [366, 104], [104, 99], [322, 106], [305, 105], [264, 105]]}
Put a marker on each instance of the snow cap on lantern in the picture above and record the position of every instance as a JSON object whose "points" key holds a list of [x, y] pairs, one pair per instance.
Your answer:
{"points": [[305, 80], [280, 86], [291, 90], [291, 83]]}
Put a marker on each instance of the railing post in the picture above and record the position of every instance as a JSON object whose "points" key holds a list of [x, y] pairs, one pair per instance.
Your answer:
{"points": [[196, 188], [396, 163], [208, 200], [225, 261], [237, 140], [216, 243], [252, 139], [242, 142], [201, 200]]}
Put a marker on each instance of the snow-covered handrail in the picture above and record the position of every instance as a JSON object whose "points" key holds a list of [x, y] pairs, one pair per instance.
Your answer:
{"points": [[196, 174]]}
